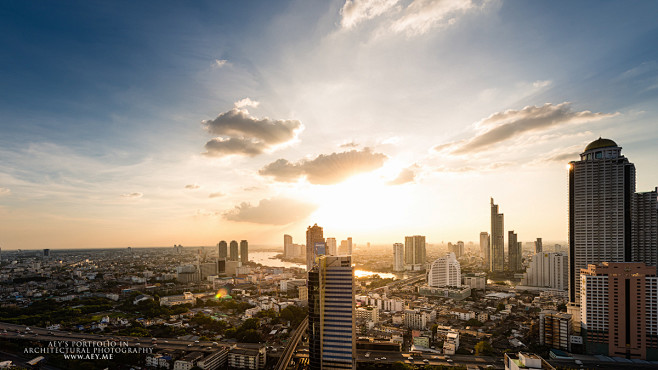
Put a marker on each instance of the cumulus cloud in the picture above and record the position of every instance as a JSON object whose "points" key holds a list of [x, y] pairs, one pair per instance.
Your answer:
{"points": [[4, 191], [277, 211], [243, 134], [219, 63], [405, 176], [326, 169], [216, 194], [510, 124], [132, 195], [356, 11], [192, 186]]}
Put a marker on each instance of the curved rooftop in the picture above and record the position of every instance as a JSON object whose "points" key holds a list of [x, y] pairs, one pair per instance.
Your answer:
{"points": [[600, 143]]}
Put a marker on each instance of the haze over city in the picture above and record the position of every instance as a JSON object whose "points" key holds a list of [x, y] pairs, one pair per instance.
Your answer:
{"points": [[161, 123]]}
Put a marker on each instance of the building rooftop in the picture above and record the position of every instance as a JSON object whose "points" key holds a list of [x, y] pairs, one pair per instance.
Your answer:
{"points": [[600, 143]]}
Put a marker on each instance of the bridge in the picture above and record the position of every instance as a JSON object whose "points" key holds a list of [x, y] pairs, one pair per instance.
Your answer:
{"points": [[296, 336]]}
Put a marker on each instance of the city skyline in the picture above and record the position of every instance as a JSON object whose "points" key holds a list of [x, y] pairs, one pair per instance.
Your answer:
{"points": [[260, 120]]}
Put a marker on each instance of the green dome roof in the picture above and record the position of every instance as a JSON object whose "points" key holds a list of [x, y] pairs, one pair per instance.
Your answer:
{"points": [[600, 143]]}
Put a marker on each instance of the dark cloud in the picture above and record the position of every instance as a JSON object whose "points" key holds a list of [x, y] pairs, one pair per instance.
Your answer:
{"points": [[510, 124], [192, 186], [216, 195], [277, 211], [325, 169], [243, 134], [405, 176], [132, 195]]}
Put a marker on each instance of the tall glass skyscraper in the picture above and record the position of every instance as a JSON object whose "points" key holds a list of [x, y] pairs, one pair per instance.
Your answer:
{"points": [[331, 314], [497, 241]]}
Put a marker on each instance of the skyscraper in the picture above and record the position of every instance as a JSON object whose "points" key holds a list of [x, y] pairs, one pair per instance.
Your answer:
{"points": [[414, 251], [514, 252], [287, 246], [331, 314], [497, 241], [445, 271], [234, 251], [331, 247], [244, 251], [644, 233], [313, 235], [221, 249], [601, 188], [484, 247], [398, 257], [538, 246]]}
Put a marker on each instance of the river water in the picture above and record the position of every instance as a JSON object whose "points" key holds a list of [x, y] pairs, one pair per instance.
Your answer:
{"points": [[266, 258]]}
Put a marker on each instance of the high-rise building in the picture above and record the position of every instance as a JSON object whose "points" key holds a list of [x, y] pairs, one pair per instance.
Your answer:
{"points": [[549, 270], [644, 233], [619, 310], [46, 252], [207, 269], [345, 248], [331, 314], [601, 188], [349, 246], [484, 247], [331, 247], [314, 234], [554, 329], [222, 251], [538, 246], [445, 271], [398, 257], [244, 251], [457, 249], [414, 251], [497, 241], [514, 249], [287, 246], [234, 251]]}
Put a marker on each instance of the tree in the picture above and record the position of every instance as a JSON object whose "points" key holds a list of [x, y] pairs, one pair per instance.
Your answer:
{"points": [[483, 348], [500, 307], [399, 365]]}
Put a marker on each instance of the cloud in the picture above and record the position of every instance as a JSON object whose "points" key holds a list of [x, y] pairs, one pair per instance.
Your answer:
{"points": [[219, 63], [4, 191], [326, 169], [246, 102], [351, 144], [405, 176], [502, 126], [423, 15], [132, 195], [243, 134], [192, 186], [356, 11], [539, 84], [216, 195], [277, 211]]}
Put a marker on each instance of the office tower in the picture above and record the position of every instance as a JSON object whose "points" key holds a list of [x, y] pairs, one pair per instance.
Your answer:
{"points": [[287, 246], [497, 241], [398, 257], [554, 329], [514, 248], [549, 270], [331, 314], [349, 246], [207, 269], [414, 251], [221, 249], [619, 310], [601, 187], [221, 265], [244, 251], [331, 247], [645, 228], [234, 251], [445, 271], [484, 247], [46, 252], [313, 235], [538, 246], [457, 249]]}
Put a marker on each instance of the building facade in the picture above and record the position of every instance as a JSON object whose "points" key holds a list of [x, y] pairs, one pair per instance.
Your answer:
{"points": [[514, 248], [549, 270], [398, 257], [222, 249], [414, 251], [234, 256], [497, 241], [554, 329], [244, 251], [444, 271], [484, 247], [314, 234]]}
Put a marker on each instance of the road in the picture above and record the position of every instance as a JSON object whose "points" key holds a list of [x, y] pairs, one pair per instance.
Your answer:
{"points": [[398, 283], [288, 352]]}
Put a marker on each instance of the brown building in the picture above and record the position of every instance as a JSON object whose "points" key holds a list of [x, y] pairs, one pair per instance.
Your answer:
{"points": [[314, 234], [619, 313]]}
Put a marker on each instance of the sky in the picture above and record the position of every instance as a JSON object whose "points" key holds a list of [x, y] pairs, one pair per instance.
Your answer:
{"points": [[160, 123]]}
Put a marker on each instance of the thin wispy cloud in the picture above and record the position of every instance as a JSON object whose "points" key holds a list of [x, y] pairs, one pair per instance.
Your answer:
{"points": [[326, 169], [276, 211], [240, 133], [135, 195], [192, 186], [5, 191], [407, 175], [503, 126], [356, 11], [217, 194]]}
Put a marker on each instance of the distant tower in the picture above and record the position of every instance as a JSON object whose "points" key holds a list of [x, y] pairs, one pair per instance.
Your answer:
{"points": [[46, 252], [484, 247], [414, 251], [331, 247], [398, 257], [287, 246], [313, 235], [331, 314], [222, 250], [538, 246], [234, 251], [514, 252], [349, 245], [497, 255], [244, 251]]}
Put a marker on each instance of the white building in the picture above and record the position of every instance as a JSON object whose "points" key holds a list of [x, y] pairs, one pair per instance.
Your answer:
{"points": [[331, 247], [368, 314], [247, 358], [554, 329], [548, 269], [415, 319], [475, 280], [398, 257], [451, 344], [444, 271]]}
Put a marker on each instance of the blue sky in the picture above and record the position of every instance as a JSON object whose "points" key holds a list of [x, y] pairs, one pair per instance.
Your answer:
{"points": [[161, 122]]}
